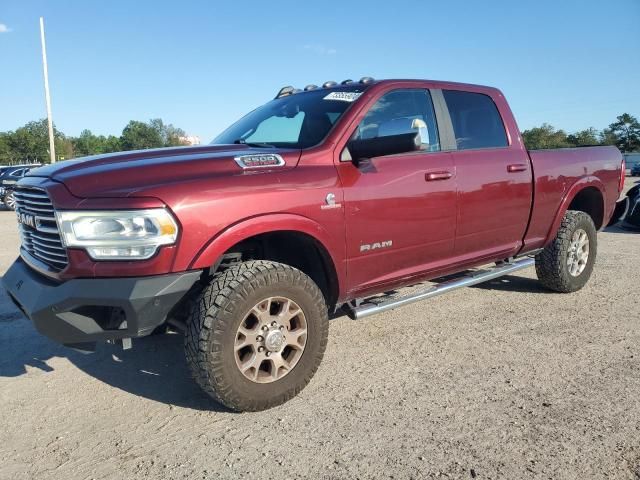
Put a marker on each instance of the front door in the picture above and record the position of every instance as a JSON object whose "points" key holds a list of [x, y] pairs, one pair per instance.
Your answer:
{"points": [[400, 209]]}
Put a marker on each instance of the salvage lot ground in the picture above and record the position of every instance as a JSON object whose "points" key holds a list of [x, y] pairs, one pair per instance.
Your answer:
{"points": [[504, 380]]}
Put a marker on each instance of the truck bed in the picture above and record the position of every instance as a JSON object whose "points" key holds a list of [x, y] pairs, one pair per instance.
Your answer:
{"points": [[563, 171]]}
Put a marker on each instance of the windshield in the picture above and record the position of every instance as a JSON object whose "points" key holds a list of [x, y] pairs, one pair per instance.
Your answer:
{"points": [[301, 120]]}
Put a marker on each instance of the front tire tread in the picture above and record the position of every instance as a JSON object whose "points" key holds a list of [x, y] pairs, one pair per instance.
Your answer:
{"points": [[210, 316]]}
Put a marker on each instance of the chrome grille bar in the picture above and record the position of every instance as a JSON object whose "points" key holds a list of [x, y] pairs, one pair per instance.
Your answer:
{"points": [[42, 241]]}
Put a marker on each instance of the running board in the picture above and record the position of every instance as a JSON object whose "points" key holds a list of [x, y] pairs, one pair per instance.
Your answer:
{"points": [[367, 309]]}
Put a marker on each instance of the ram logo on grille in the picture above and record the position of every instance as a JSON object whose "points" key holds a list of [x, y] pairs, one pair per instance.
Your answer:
{"points": [[26, 219]]}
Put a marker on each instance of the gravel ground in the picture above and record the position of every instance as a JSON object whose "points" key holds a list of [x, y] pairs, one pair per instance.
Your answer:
{"points": [[504, 380]]}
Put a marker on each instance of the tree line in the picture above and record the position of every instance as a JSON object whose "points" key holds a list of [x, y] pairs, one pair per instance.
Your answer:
{"points": [[623, 133], [30, 143]]}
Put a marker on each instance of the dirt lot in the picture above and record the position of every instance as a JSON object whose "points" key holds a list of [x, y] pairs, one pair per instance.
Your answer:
{"points": [[504, 380]]}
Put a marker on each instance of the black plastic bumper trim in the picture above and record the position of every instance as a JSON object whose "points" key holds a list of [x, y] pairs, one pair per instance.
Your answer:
{"points": [[146, 302]]}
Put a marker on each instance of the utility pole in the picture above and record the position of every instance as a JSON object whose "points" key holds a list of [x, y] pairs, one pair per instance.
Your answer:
{"points": [[52, 146]]}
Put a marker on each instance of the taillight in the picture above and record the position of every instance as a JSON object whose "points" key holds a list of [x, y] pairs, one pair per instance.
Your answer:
{"points": [[623, 173]]}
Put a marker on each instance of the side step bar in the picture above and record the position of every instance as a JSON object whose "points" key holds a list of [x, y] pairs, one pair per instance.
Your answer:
{"points": [[367, 309]]}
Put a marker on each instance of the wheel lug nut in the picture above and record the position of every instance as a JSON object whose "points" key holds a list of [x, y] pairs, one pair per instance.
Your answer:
{"points": [[273, 324], [281, 327], [268, 354], [261, 349], [265, 328], [259, 338]]}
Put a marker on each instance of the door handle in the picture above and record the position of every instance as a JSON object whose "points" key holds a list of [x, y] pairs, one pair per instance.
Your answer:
{"points": [[434, 176], [516, 167]]}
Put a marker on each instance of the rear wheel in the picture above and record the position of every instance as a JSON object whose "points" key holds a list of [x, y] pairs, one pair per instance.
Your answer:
{"points": [[565, 265], [256, 334]]}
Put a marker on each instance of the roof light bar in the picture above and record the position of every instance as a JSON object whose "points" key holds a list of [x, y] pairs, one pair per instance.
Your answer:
{"points": [[289, 90]]}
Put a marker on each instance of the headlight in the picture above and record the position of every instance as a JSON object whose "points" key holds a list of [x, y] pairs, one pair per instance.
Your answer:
{"points": [[118, 234]]}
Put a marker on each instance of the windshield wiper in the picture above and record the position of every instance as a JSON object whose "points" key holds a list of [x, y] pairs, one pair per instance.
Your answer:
{"points": [[253, 144]]}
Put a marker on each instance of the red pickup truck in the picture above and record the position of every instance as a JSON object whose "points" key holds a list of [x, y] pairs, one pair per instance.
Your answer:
{"points": [[323, 198]]}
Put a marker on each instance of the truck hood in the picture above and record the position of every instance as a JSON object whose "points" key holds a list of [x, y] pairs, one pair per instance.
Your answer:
{"points": [[124, 173]]}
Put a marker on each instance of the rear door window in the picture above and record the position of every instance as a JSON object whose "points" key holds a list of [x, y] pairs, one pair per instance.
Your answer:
{"points": [[476, 120]]}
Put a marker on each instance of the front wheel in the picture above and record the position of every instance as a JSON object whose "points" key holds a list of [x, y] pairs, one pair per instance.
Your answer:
{"points": [[256, 335], [565, 265]]}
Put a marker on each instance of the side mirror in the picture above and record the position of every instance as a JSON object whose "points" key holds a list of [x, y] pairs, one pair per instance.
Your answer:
{"points": [[380, 146]]}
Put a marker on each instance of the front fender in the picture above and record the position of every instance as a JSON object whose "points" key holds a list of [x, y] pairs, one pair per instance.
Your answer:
{"points": [[267, 223], [571, 193]]}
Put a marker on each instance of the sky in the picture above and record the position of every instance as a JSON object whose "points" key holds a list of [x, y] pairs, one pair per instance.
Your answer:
{"points": [[201, 65]]}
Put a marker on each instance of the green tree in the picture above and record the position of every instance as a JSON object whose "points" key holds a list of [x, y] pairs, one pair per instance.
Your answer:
{"points": [[64, 148], [31, 142], [607, 137], [584, 138], [87, 144], [111, 144], [6, 156], [544, 136], [626, 132], [171, 136], [137, 136]]}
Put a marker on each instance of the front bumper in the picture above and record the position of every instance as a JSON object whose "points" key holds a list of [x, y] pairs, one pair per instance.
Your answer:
{"points": [[80, 312]]}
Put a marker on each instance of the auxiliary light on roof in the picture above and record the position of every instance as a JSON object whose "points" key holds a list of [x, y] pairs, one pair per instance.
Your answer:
{"points": [[289, 90]]}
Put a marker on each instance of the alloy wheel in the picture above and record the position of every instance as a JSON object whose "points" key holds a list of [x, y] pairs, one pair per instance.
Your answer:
{"points": [[578, 253], [270, 340]]}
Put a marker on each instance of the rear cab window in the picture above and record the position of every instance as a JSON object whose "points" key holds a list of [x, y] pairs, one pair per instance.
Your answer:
{"points": [[475, 119]]}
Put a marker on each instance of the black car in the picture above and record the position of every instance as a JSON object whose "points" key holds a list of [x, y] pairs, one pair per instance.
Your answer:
{"points": [[632, 218], [8, 178]]}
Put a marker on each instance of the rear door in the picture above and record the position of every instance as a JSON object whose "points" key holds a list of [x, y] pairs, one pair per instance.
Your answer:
{"points": [[400, 209], [494, 179]]}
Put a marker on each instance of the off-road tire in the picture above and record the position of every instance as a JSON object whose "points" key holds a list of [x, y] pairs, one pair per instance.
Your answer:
{"points": [[551, 263], [215, 314]]}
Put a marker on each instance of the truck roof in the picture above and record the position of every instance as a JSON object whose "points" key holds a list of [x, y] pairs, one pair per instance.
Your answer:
{"points": [[437, 82], [369, 81]]}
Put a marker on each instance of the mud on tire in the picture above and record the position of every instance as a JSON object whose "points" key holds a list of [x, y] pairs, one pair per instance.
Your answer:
{"points": [[221, 308], [553, 263]]}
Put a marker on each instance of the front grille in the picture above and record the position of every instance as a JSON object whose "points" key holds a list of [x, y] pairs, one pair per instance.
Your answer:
{"points": [[42, 239]]}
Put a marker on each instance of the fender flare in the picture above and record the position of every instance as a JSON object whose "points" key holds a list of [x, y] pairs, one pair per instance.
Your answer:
{"points": [[571, 193], [267, 223]]}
